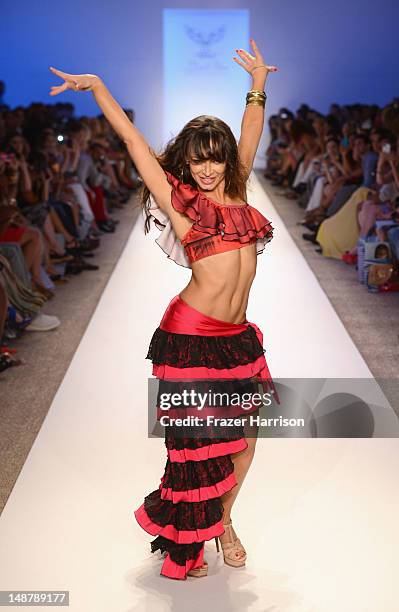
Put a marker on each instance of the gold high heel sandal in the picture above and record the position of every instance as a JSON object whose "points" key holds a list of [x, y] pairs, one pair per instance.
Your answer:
{"points": [[232, 548], [198, 572]]}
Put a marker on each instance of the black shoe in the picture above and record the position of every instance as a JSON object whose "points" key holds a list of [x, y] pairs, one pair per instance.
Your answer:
{"points": [[106, 226], [73, 268], [310, 238], [313, 227], [90, 244], [85, 265], [318, 250]]}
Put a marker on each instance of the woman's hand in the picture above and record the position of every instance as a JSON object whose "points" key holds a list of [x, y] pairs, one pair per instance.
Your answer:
{"points": [[253, 64], [76, 82]]}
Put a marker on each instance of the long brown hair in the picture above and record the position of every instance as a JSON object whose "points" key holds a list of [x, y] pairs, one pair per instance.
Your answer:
{"points": [[204, 137]]}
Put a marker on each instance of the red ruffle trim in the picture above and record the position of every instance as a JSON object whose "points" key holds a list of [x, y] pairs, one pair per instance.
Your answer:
{"points": [[219, 449], [241, 223], [179, 572]]}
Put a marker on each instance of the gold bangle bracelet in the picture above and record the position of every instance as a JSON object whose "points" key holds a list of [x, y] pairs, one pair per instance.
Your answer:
{"points": [[256, 103], [256, 94], [256, 97]]}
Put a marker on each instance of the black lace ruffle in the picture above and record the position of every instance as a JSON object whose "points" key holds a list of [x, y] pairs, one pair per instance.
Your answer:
{"points": [[184, 516], [179, 553], [195, 474], [189, 350]]}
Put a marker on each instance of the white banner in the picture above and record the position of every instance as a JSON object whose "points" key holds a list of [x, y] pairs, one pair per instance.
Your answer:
{"points": [[200, 75]]}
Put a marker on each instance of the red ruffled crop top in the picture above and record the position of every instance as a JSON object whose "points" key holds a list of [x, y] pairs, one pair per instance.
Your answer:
{"points": [[217, 228]]}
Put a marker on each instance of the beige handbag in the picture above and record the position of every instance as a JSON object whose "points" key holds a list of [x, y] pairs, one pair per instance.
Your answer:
{"points": [[378, 274]]}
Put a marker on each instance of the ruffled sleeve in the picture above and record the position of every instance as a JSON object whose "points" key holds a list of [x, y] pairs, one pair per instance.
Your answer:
{"points": [[167, 239], [184, 197], [183, 200], [244, 224]]}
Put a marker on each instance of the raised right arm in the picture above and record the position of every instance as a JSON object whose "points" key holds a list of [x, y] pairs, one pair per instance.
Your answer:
{"points": [[143, 156], [139, 150], [144, 159]]}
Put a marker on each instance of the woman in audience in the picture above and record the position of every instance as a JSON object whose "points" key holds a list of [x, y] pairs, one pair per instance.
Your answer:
{"points": [[338, 236], [93, 181], [15, 228], [308, 166], [348, 175], [340, 233], [44, 208], [327, 182], [351, 195]]}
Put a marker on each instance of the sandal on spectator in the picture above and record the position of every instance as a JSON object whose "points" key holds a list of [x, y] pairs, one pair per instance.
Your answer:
{"points": [[59, 279], [56, 257], [72, 243], [47, 293], [12, 315]]}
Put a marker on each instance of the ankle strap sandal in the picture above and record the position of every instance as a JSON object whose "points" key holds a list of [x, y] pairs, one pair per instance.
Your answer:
{"points": [[233, 549]]}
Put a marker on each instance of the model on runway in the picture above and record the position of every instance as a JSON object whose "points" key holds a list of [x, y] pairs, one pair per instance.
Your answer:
{"points": [[198, 188]]}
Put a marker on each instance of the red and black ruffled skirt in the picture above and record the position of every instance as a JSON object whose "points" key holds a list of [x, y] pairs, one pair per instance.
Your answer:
{"points": [[186, 509]]}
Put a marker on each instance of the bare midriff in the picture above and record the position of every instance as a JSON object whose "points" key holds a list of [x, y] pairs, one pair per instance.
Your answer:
{"points": [[220, 284]]}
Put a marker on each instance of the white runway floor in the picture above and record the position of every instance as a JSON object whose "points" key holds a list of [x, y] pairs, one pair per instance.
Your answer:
{"points": [[318, 516]]}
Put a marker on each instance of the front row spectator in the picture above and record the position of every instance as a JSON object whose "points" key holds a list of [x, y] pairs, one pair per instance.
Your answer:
{"points": [[343, 169], [60, 178]]}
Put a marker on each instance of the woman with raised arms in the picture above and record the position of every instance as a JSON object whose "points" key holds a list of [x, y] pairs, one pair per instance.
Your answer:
{"points": [[195, 191]]}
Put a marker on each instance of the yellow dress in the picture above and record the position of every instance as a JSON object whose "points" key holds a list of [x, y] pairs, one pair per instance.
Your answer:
{"points": [[340, 232]]}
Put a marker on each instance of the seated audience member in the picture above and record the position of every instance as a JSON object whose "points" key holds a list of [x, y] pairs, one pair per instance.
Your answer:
{"points": [[59, 178], [338, 235], [350, 190]]}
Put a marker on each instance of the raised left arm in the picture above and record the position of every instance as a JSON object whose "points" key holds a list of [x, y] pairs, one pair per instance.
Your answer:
{"points": [[253, 118], [251, 127]]}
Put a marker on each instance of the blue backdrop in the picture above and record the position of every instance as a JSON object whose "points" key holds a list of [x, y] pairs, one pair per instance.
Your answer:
{"points": [[342, 51]]}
